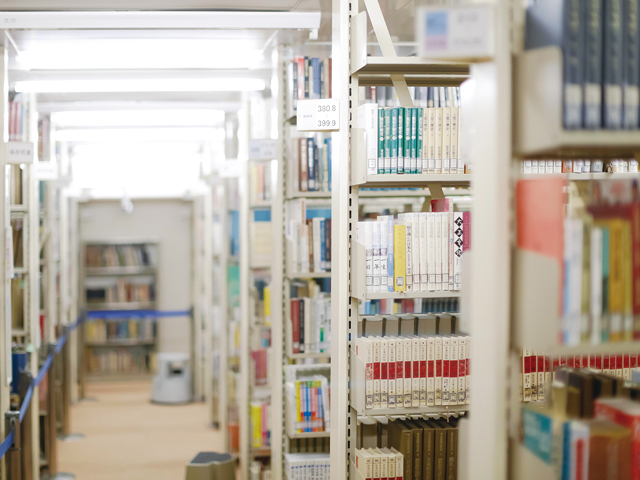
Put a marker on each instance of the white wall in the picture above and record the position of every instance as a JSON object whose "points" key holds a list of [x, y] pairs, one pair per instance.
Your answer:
{"points": [[168, 222]]}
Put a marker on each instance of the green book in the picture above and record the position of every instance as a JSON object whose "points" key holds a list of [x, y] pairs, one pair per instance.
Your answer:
{"points": [[381, 127], [414, 140], [400, 168], [419, 165], [407, 140], [394, 140], [387, 140]]}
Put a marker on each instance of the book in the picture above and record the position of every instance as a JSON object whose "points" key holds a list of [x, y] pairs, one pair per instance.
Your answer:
{"points": [[367, 119], [613, 60]]}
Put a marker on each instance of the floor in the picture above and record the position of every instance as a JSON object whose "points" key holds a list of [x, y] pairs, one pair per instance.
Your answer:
{"points": [[128, 438]]}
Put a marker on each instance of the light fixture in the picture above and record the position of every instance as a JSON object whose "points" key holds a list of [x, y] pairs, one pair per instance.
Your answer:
{"points": [[141, 85], [120, 135], [138, 118]]}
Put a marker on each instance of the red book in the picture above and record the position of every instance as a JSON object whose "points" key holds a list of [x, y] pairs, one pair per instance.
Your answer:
{"points": [[295, 325], [633, 361], [626, 413], [605, 362]]}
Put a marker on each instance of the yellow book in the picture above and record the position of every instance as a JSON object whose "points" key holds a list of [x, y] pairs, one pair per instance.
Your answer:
{"points": [[399, 257], [585, 308], [627, 279], [267, 305], [616, 278], [256, 418], [298, 411]]}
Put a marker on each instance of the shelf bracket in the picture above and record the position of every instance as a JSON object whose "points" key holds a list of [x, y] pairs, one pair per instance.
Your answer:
{"points": [[435, 190], [388, 50]]}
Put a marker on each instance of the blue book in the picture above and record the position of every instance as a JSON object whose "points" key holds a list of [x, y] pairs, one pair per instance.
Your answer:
{"points": [[327, 142], [560, 23], [323, 246], [613, 72], [311, 174], [294, 75], [317, 168], [306, 77], [593, 65], [631, 63], [315, 65], [321, 75]]}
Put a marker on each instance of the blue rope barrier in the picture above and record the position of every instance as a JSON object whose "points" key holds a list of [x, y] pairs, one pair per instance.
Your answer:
{"points": [[6, 445], [106, 314]]}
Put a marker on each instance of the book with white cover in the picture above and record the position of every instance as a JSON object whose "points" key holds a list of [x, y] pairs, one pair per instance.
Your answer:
{"points": [[415, 372], [438, 255], [424, 274], [399, 372], [438, 371], [445, 250], [438, 139], [431, 134], [364, 351], [376, 371], [384, 259], [431, 367], [423, 371], [391, 369], [446, 356], [431, 250], [454, 154], [364, 463], [367, 118], [408, 357], [415, 247], [377, 281], [446, 140], [467, 372], [409, 255], [453, 372], [304, 248], [458, 242], [384, 379], [462, 376]]}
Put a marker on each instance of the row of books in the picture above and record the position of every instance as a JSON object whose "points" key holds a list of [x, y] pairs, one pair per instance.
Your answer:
{"points": [[539, 370], [259, 471], [391, 306], [601, 57], [122, 292], [424, 97], [260, 181], [415, 371], [311, 396], [260, 430], [303, 466], [408, 325], [588, 429], [429, 447], [97, 256], [121, 361], [308, 78], [310, 316], [311, 164], [310, 236], [417, 251], [18, 118], [99, 330], [261, 238], [579, 166], [379, 463], [411, 140], [263, 301], [260, 358]]}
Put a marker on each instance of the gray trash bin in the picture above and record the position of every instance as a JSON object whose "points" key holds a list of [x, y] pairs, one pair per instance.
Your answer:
{"points": [[212, 466]]}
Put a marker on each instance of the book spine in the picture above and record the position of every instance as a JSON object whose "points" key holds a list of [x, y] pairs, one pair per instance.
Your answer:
{"points": [[407, 140], [446, 246], [381, 139], [415, 372], [407, 355], [458, 233], [364, 349], [431, 133], [438, 251], [438, 372], [409, 252], [384, 259], [295, 325], [431, 384], [438, 139], [414, 140], [391, 371], [415, 247], [384, 373], [593, 65], [304, 174], [453, 150], [311, 173], [401, 139], [376, 372], [423, 371], [368, 118], [376, 256], [394, 140], [453, 372], [446, 357], [462, 372], [367, 237], [424, 273], [419, 146], [466, 238], [431, 250], [399, 260], [387, 140], [467, 371], [425, 141], [613, 65], [306, 77], [446, 140], [390, 254], [399, 373]]}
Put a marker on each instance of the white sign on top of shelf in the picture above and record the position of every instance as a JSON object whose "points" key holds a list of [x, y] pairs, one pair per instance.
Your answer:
{"points": [[20, 152], [262, 149], [47, 171], [460, 32], [318, 115]]}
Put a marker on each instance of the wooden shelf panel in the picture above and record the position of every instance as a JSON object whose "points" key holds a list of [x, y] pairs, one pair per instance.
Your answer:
{"points": [[408, 66]]}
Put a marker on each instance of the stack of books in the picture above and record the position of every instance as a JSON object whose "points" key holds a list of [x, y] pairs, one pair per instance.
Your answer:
{"points": [[425, 97], [100, 330], [307, 78], [416, 251], [260, 181], [260, 431], [379, 463], [124, 291], [311, 398], [391, 306], [580, 166], [18, 118], [301, 466], [118, 256], [309, 230], [121, 361], [311, 164], [310, 317], [414, 371], [260, 359]]}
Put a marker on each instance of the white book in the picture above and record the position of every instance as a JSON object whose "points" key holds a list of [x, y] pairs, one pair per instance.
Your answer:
{"points": [[467, 372], [557, 166], [364, 463], [438, 255], [409, 255], [399, 372], [526, 167], [432, 140], [415, 247], [384, 252], [415, 371], [431, 250], [438, 139], [453, 372], [446, 140], [596, 285], [451, 245], [365, 236], [407, 354], [295, 245], [535, 169], [377, 281], [541, 379], [453, 151], [391, 369], [550, 166], [542, 167], [526, 384], [376, 371], [384, 379], [390, 250], [384, 464], [317, 259], [364, 351], [424, 273], [458, 232], [376, 464], [580, 436], [423, 371], [391, 460], [446, 356], [462, 377], [399, 464], [367, 119], [431, 368], [425, 141], [304, 248], [438, 370], [534, 375], [461, 165], [445, 250]]}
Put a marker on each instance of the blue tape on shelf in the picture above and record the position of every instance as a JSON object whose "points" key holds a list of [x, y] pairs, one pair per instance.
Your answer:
{"points": [[4, 446], [106, 314]]}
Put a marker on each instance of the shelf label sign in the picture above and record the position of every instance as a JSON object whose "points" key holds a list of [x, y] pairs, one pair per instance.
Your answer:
{"points": [[462, 32], [262, 149], [20, 152], [318, 115]]}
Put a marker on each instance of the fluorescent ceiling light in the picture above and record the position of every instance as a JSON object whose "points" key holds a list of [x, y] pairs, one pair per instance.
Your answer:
{"points": [[116, 135], [141, 54], [139, 118], [141, 85]]}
